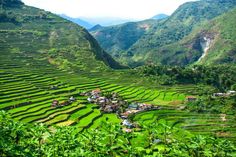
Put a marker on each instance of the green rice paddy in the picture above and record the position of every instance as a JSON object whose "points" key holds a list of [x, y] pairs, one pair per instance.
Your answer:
{"points": [[26, 93]]}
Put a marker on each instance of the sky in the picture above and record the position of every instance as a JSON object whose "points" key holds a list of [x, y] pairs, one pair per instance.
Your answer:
{"points": [[126, 9]]}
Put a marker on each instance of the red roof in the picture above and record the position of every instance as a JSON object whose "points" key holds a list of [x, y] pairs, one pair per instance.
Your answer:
{"points": [[191, 97]]}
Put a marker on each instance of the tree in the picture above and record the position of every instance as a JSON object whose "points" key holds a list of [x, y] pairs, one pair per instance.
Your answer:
{"points": [[10, 3]]}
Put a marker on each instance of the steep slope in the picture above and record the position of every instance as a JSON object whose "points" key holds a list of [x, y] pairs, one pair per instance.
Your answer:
{"points": [[78, 21], [178, 25], [210, 43], [137, 46], [118, 39], [30, 31]]}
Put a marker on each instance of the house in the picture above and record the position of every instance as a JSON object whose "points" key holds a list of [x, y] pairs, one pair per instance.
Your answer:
{"points": [[231, 92], [127, 123], [191, 98], [127, 130], [145, 106], [219, 94], [55, 103], [96, 92], [108, 109], [64, 103], [125, 114], [72, 99], [133, 106], [53, 87], [90, 99], [114, 102]]}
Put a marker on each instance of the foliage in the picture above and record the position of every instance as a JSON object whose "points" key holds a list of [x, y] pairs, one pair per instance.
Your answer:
{"points": [[118, 39], [165, 41], [219, 32], [40, 32], [226, 105], [221, 77], [11, 3], [18, 139]]}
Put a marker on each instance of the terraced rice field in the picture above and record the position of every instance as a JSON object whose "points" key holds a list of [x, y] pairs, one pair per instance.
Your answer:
{"points": [[26, 93], [194, 122]]}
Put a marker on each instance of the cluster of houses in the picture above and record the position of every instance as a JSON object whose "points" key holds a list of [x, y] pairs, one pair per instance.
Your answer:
{"points": [[56, 103], [109, 103], [227, 94], [134, 108], [113, 103]]}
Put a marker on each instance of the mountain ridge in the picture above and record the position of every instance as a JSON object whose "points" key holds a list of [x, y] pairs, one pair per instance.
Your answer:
{"points": [[167, 31], [31, 31], [78, 21], [160, 16], [212, 43]]}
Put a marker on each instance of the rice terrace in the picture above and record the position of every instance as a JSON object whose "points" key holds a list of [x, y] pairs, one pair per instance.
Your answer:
{"points": [[67, 90]]}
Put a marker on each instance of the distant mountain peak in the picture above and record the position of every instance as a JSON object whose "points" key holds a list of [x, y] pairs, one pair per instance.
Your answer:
{"points": [[78, 21], [96, 27], [160, 16]]}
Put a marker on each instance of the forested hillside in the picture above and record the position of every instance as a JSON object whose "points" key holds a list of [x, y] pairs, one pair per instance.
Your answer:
{"points": [[148, 46], [33, 32], [118, 39], [212, 43]]}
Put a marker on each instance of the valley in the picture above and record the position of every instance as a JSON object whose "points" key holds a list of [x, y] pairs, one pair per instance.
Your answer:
{"points": [[164, 86]]}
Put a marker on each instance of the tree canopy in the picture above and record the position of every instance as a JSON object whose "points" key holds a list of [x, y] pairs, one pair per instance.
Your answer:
{"points": [[10, 3]]}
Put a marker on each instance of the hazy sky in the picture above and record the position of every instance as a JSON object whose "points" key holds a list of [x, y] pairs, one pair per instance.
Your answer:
{"points": [[130, 9]]}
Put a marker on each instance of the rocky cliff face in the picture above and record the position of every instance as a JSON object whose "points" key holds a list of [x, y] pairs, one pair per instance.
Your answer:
{"points": [[206, 42]]}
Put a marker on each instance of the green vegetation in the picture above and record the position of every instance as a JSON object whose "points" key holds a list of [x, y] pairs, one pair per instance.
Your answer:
{"points": [[10, 3], [225, 105], [210, 43], [55, 39], [118, 39], [19, 139], [45, 58], [165, 41], [223, 77]]}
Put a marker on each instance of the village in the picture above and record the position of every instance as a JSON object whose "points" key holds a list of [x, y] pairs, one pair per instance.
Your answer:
{"points": [[113, 103]]}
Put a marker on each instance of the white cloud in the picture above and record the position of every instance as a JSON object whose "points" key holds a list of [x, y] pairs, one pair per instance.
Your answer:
{"points": [[135, 9]]}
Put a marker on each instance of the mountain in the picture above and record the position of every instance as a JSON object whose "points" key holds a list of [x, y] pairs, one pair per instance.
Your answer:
{"points": [[106, 21], [28, 31], [119, 38], [78, 21], [180, 24], [95, 28], [211, 43], [146, 47], [160, 16]]}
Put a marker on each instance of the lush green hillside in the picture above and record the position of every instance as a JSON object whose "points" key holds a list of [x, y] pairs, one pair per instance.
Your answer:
{"points": [[146, 46], [211, 43], [20, 139], [30, 31], [181, 23], [118, 39]]}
